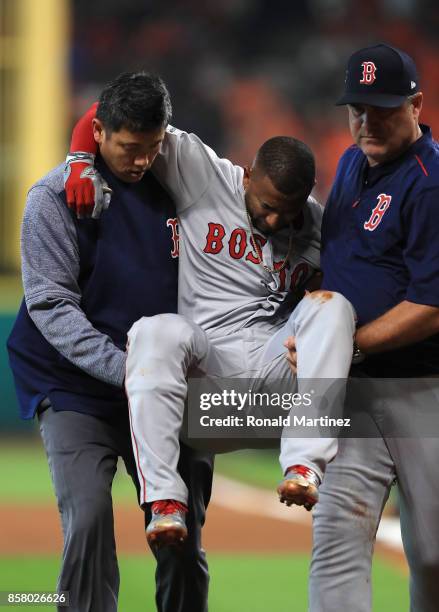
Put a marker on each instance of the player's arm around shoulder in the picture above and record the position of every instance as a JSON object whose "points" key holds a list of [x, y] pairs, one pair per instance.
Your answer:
{"points": [[186, 167], [50, 272]]}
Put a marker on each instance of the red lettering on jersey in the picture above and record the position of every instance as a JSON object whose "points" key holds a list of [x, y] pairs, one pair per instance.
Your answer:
{"points": [[282, 273], [377, 214], [300, 273], [214, 239], [257, 244], [238, 243], [173, 224], [368, 76]]}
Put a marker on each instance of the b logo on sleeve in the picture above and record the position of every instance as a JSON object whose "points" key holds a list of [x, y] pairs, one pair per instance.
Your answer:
{"points": [[173, 224]]}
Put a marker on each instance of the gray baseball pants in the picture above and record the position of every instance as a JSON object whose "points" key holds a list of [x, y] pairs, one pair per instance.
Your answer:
{"points": [[163, 349], [352, 497], [82, 452]]}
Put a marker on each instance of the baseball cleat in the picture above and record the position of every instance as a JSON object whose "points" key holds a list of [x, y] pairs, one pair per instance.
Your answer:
{"points": [[167, 526], [299, 486]]}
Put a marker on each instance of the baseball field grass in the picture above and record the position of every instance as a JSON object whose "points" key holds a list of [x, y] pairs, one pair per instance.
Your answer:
{"points": [[241, 581]]}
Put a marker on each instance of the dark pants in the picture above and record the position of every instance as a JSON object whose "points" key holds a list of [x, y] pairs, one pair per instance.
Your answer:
{"points": [[83, 451]]}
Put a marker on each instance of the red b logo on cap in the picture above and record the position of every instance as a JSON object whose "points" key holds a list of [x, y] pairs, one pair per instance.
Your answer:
{"points": [[369, 70]]}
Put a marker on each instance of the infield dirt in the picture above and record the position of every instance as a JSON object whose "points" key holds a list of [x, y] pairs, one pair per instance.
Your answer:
{"points": [[36, 530]]}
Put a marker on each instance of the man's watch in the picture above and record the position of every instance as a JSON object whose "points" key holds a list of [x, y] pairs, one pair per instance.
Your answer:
{"points": [[357, 355]]}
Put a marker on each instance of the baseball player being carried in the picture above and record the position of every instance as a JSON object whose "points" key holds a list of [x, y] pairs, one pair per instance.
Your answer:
{"points": [[248, 236]]}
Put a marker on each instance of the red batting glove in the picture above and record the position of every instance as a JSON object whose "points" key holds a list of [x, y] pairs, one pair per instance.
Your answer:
{"points": [[80, 191], [87, 193], [85, 189]]}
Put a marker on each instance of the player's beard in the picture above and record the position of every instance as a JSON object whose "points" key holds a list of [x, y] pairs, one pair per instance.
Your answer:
{"points": [[257, 226]]}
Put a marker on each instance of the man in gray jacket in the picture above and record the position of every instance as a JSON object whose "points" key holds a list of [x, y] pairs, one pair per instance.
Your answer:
{"points": [[85, 283]]}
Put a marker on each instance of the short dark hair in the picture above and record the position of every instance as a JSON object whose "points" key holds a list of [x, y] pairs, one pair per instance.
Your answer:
{"points": [[289, 164], [136, 101]]}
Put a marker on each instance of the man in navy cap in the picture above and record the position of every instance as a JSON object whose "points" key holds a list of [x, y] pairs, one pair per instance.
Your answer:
{"points": [[380, 249]]}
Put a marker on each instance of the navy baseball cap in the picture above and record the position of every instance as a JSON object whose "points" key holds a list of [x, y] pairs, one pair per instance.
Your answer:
{"points": [[380, 76]]}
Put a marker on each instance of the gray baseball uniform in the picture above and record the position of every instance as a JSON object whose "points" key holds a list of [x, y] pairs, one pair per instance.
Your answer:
{"points": [[230, 322]]}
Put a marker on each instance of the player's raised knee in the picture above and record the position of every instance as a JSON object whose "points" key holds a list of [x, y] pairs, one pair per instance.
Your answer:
{"points": [[320, 296], [161, 324], [333, 300], [163, 331]]}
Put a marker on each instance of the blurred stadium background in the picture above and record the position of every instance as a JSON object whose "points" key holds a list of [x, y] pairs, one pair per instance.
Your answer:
{"points": [[239, 71]]}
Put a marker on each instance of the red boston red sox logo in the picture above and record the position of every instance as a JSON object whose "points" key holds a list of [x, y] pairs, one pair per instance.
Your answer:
{"points": [[238, 244], [249, 248], [368, 76], [377, 214], [173, 224]]}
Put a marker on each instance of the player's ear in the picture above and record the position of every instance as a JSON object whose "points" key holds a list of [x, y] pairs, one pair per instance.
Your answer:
{"points": [[417, 100], [246, 177], [98, 130]]}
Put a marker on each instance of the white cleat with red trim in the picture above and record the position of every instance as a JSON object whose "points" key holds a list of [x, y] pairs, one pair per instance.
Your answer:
{"points": [[167, 526], [299, 486]]}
